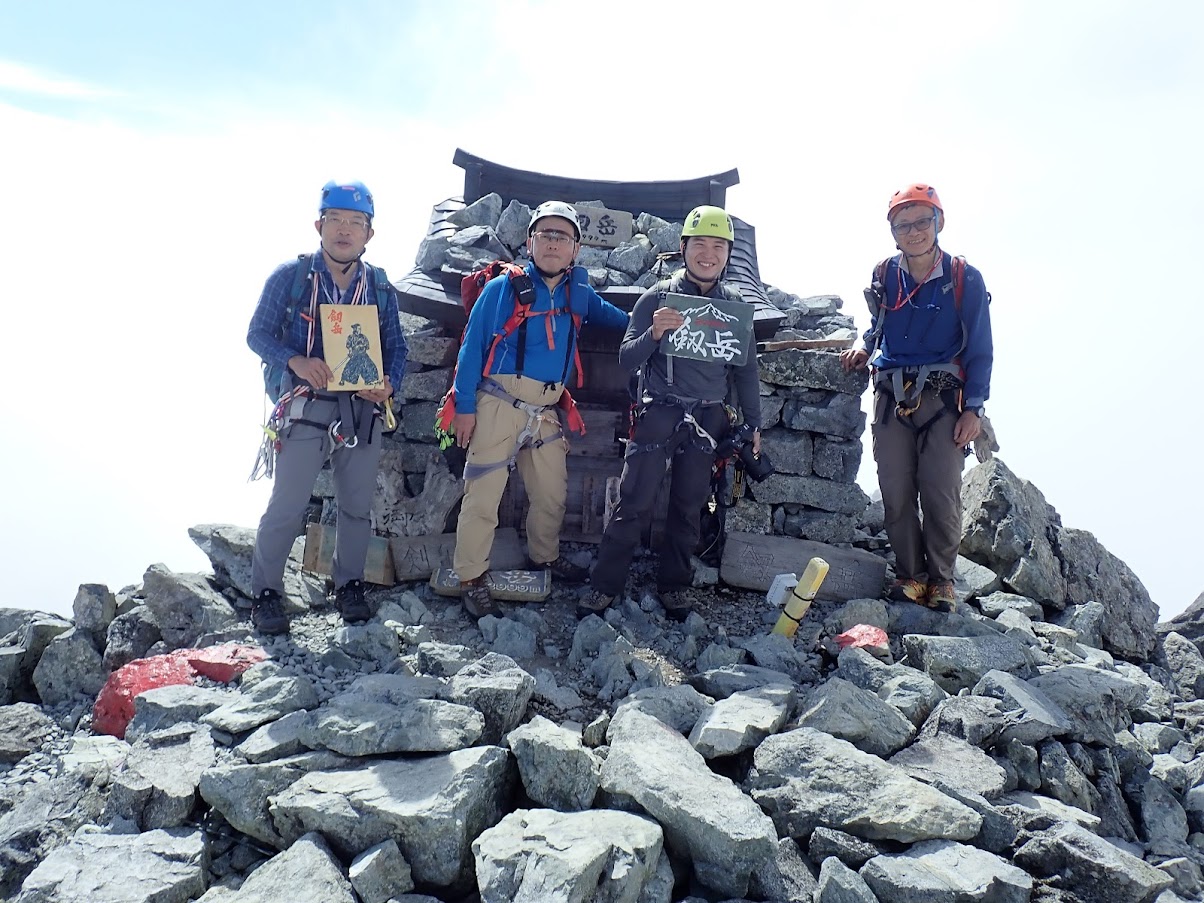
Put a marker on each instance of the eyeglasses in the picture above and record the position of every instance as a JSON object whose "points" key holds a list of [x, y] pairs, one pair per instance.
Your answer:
{"points": [[904, 228], [554, 236], [358, 224]]}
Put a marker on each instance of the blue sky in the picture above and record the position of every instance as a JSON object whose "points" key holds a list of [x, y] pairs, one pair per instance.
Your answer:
{"points": [[163, 158]]}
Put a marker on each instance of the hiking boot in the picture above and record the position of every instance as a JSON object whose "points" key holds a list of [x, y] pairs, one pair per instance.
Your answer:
{"points": [[941, 597], [267, 613], [907, 591], [562, 569], [474, 596], [351, 602], [677, 604], [594, 602]]}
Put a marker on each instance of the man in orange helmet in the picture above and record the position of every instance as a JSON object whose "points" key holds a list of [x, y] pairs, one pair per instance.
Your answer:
{"points": [[929, 349]]}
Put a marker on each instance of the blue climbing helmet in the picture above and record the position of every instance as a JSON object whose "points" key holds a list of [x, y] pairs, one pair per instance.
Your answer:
{"points": [[347, 196]]}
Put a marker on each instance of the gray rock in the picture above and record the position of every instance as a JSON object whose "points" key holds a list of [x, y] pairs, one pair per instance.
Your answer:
{"points": [[184, 606], [748, 516], [425, 385], [94, 609], [508, 637], [432, 807], [513, 223], [1031, 716], [842, 498], [1158, 702], [538, 854], [485, 211], [820, 526], [355, 727], [1186, 664], [790, 450], [1051, 809], [307, 869], [129, 636], [998, 602], [634, 257], [958, 663], [1097, 871], [1095, 574], [778, 653], [266, 701], [150, 867], [835, 415], [940, 871], [771, 410], [165, 707], [1097, 702], [678, 706], [1061, 779], [229, 549], [844, 710], [705, 816], [276, 739], [43, 818], [1087, 620], [240, 793], [157, 786], [380, 872], [953, 762], [496, 687], [846, 848], [372, 642], [443, 659], [784, 876], [813, 370], [23, 728], [69, 667], [1161, 820], [806, 779], [840, 884], [557, 771], [836, 459], [719, 683], [741, 721]]}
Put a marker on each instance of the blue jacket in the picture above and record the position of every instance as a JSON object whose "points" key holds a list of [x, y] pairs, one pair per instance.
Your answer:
{"points": [[264, 337], [540, 362], [928, 328]]}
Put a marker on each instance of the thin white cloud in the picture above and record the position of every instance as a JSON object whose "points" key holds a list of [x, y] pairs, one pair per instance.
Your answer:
{"points": [[23, 79]]}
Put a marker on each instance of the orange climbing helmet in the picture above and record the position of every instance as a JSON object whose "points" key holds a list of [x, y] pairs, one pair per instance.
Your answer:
{"points": [[915, 193]]}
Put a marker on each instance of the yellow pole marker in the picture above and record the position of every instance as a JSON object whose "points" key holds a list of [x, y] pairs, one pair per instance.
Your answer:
{"points": [[801, 597]]}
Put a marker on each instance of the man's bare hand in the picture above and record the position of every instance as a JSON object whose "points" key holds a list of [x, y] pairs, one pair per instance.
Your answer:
{"points": [[312, 370], [967, 429], [854, 358], [666, 319], [377, 395], [463, 426]]}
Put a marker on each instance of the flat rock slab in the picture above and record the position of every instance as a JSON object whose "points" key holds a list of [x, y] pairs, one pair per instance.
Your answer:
{"points": [[319, 555], [751, 561], [512, 585], [418, 557]]}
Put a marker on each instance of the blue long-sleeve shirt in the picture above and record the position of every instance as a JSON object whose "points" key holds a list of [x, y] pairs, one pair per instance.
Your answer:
{"points": [[540, 361], [264, 334], [929, 329]]}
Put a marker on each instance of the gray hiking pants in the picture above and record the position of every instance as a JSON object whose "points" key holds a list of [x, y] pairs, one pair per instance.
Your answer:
{"points": [[919, 471], [303, 450]]}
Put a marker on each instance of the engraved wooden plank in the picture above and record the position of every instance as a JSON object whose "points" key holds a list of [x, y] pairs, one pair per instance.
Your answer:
{"points": [[513, 585], [805, 343], [417, 557], [319, 555], [604, 228], [752, 561]]}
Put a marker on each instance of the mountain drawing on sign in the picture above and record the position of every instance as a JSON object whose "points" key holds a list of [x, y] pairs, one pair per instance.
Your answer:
{"points": [[707, 312]]}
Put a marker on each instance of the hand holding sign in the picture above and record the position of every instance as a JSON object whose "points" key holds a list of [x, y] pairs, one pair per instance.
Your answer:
{"points": [[666, 319]]}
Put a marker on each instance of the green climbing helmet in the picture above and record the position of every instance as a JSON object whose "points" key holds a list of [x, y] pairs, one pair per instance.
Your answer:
{"points": [[709, 221]]}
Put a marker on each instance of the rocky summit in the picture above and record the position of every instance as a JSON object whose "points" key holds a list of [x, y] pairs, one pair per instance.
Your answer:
{"points": [[1042, 743]]}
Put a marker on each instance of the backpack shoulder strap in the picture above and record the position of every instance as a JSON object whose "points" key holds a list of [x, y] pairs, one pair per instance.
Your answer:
{"points": [[381, 280], [297, 290], [957, 272]]}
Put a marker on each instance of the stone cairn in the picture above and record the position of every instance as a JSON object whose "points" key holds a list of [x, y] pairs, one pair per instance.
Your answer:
{"points": [[1044, 743], [811, 409]]}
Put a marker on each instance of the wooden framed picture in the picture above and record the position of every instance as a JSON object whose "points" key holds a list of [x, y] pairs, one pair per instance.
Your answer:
{"points": [[351, 346], [715, 330]]}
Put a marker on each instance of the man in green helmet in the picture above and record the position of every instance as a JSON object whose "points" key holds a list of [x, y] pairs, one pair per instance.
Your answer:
{"points": [[680, 418]]}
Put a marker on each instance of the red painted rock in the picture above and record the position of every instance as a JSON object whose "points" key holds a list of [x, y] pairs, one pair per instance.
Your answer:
{"points": [[115, 705], [225, 662], [865, 636]]}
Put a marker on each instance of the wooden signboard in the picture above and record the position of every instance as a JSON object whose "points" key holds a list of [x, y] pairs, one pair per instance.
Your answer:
{"points": [[752, 561], [715, 330], [319, 555], [351, 346], [508, 585], [417, 557], [603, 228]]}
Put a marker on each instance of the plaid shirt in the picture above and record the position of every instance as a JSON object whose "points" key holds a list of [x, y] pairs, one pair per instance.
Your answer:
{"points": [[264, 333]]}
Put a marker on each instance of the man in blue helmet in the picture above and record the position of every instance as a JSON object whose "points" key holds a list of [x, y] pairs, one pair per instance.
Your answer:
{"points": [[313, 424]]}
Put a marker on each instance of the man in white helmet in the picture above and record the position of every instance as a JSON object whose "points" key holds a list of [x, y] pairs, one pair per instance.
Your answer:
{"points": [[506, 393]]}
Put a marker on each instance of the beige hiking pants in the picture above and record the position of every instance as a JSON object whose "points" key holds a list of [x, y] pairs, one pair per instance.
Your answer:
{"points": [[543, 470]]}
